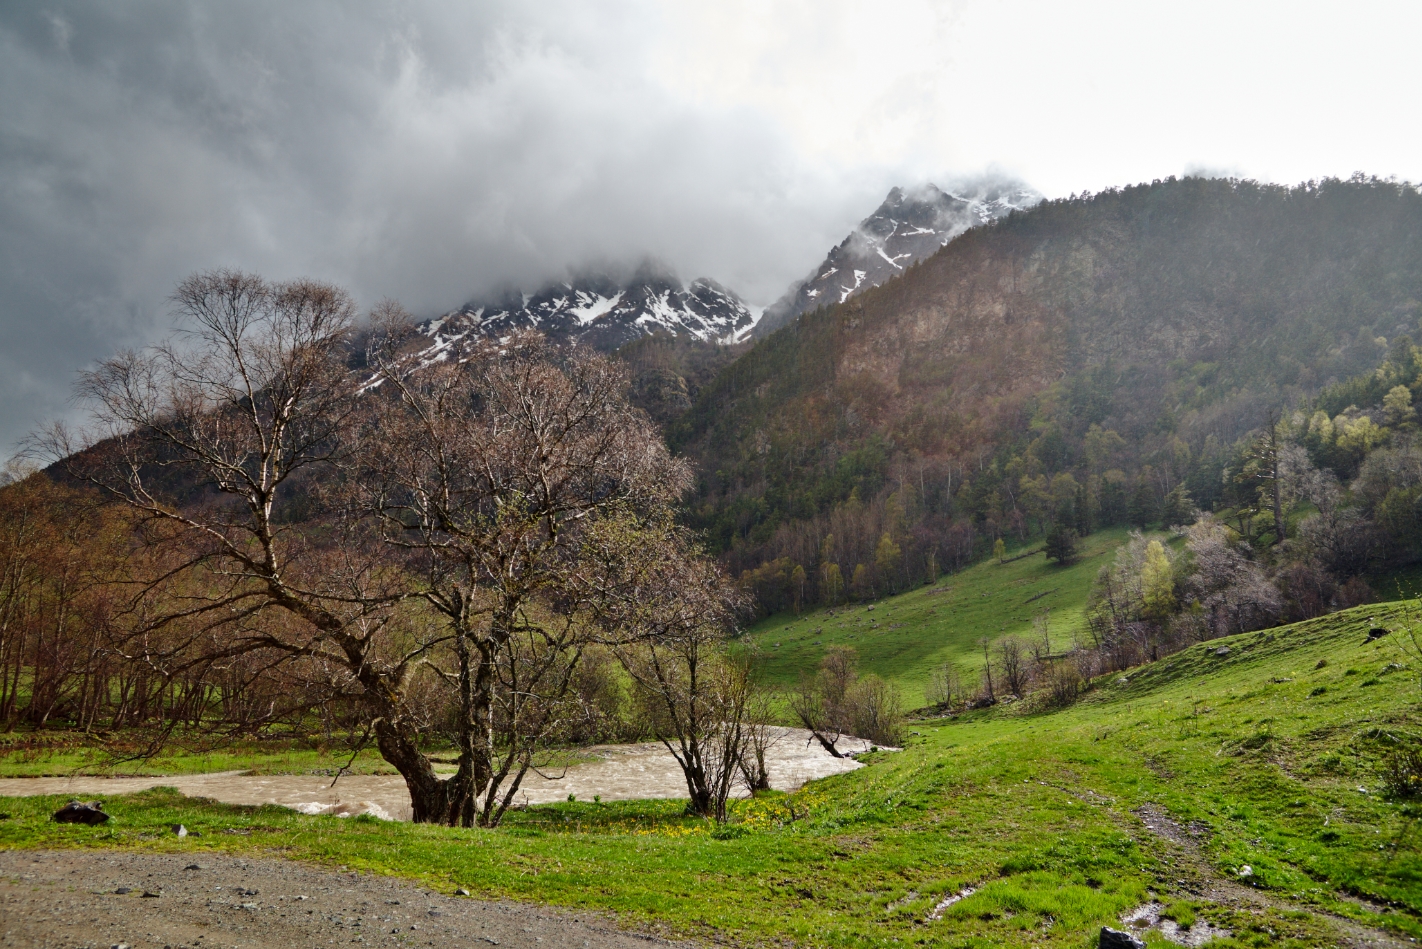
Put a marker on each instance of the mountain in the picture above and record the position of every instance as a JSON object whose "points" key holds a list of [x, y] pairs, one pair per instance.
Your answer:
{"points": [[1090, 351], [602, 311], [909, 226]]}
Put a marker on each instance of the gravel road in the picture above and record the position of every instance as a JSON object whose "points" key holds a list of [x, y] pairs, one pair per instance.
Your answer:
{"points": [[70, 899]]}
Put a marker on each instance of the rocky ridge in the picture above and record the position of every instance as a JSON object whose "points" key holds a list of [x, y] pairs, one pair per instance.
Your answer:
{"points": [[601, 311]]}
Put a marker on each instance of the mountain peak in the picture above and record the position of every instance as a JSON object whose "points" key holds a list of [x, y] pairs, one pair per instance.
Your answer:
{"points": [[911, 224], [601, 309]]}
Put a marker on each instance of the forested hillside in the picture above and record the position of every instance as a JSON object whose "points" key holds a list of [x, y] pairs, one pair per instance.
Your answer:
{"points": [[1096, 360]]}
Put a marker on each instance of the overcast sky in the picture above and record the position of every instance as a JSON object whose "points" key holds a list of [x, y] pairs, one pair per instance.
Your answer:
{"points": [[431, 151]]}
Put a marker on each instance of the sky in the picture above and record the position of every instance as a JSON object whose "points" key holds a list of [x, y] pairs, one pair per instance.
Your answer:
{"points": [[430, 152]]}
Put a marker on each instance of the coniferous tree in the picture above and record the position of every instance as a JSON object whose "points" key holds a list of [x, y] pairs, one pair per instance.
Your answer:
{"points": [[1143, 510], [1061, 544]]}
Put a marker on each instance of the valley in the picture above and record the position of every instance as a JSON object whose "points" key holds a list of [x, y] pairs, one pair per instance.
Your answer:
{"points": [[1159, 787], [1086, 533]]}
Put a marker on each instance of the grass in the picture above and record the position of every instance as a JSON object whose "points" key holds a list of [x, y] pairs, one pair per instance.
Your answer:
{"points": [[1037, 811], [905, 637], [57, 754]]}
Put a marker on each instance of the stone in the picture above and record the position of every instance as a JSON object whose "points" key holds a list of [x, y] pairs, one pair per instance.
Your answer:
{"points": [[179, 830], [1222, 651], [1378, 632], [77, 812], [1116, 939]]}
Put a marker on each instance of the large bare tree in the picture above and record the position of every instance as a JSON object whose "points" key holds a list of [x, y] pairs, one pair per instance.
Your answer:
{"points": [[221, 440], [410, 539], [493, 475]]}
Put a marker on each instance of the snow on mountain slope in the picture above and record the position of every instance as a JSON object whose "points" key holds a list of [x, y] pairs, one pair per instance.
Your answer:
{"points": [[909, 226], [602, 312]]}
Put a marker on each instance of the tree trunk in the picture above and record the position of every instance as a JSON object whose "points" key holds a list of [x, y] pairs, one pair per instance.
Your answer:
{"points": [[433, 800]]}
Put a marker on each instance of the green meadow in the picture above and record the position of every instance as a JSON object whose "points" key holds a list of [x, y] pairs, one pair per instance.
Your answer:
{"points": [[904, 638], [1266, 756]]}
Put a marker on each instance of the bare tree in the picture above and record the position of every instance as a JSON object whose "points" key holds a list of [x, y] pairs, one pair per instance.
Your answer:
{"points": [[821, 701], [667, 611], [413, 550], [1012, 666], [494, 477], [211, 439]]}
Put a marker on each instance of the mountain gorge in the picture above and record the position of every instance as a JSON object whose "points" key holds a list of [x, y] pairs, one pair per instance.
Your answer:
{"points": [[1125, 340]]}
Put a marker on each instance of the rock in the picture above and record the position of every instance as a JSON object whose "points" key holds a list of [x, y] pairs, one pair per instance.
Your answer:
{"points": [[123, 891], [1116, 939], [1246, 871], [179, 830], [1222, 651], [77, 812], [192, 866], [1378, 632], [150, 895], [461, 892]]}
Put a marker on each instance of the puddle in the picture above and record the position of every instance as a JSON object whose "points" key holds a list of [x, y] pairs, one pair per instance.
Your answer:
{"points": [[947, 901], [1148, 916], [619, 773]]}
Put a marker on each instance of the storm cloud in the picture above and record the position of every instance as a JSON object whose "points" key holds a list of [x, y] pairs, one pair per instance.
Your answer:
{"points": [[430, 152]]}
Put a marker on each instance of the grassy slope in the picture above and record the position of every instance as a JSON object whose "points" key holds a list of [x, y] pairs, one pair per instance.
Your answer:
{"points": [[920, 630], [1262, 749]]}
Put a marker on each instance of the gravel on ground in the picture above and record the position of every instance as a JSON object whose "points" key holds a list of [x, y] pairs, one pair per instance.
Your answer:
{"points": [[101, 900]]}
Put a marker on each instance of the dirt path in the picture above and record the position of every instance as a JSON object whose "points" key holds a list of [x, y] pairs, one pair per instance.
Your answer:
{"points": [[1198, 880], [63, 900], [623, 772]]}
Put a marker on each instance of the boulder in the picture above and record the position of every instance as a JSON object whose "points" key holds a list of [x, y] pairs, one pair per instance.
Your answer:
{"points": [[77, 812], [1378, 632], [1116, 939]]}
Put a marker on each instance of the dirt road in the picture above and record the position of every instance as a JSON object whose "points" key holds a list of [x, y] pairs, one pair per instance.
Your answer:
{"points": [[63, 900], [621, 772]]}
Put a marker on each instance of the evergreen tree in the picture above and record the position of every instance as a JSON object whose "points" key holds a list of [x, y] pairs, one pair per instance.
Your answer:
{"points": [[1082, 521], [1143, 510], [1179, 507], [1061, 544]]}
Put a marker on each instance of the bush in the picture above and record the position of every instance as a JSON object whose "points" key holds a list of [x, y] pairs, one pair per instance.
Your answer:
{"points": [[875, 712], [1402, 772], [945, 688], [1062, 685]]}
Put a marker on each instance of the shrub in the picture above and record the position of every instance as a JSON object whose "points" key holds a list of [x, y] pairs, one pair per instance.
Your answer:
{"points": [[1063, 684], [1402, 771], [876, 714]]}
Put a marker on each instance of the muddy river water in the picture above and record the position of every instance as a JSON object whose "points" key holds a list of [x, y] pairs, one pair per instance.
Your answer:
{"points": [[619, 772]]}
